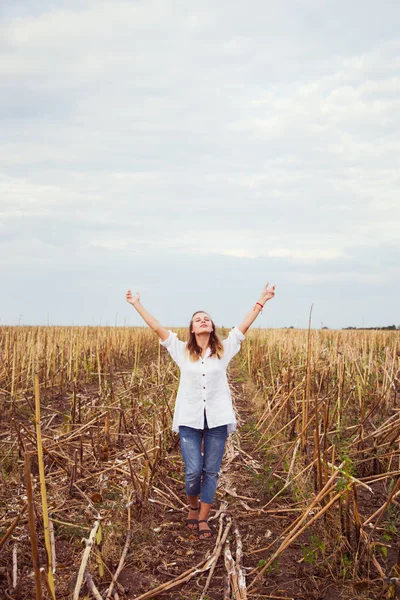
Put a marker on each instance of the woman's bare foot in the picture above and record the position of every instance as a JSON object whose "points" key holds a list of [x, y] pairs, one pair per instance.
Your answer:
{"points": [[204, 530], [193, 518]]}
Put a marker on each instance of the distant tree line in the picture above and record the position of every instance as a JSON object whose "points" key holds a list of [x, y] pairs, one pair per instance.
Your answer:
{"points": [[387, 328]]}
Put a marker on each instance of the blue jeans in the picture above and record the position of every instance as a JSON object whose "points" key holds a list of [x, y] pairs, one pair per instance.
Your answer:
{"points": [[202, 471]]}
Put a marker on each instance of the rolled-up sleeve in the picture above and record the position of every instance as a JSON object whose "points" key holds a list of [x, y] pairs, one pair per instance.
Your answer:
{"points": [[174, 346], [232, 343]]}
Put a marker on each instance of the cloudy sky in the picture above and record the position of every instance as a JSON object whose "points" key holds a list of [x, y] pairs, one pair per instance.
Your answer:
{"points": [[195, 150]]}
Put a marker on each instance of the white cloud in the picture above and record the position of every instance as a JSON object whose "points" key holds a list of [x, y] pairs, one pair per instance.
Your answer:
{"points": [[312, 255]]}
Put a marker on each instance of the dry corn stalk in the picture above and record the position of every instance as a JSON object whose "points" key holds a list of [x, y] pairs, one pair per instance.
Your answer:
{"points": [[43, 490], [221, 538], [89, 545], [120, 565], [32, 528]]}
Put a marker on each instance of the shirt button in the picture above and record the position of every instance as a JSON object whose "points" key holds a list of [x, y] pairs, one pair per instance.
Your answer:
{"points": [[203, 374], [204, 387]]}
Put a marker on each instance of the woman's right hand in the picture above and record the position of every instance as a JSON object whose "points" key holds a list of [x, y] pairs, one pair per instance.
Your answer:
{"points": [[132, 299]]}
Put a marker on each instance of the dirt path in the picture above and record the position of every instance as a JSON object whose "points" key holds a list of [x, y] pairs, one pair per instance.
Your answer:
{"points": [[244, 486]]}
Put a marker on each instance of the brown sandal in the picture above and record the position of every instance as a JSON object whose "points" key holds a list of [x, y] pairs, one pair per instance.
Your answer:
{"points": [[194, 522], [204, 534]]}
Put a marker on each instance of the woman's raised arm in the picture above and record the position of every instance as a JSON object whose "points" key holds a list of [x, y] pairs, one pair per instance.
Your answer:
{"points": [[251, 316], [146, 316]]}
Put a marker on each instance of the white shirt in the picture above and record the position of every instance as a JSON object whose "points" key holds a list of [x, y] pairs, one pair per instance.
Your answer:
{"points": [[203, 384]]}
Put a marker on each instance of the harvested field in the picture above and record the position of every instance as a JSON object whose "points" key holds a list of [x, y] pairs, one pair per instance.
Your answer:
{"points": [[308, 499]]}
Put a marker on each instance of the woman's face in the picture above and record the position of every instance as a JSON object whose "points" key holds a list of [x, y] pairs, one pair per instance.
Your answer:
{"points": [[201, 323]]}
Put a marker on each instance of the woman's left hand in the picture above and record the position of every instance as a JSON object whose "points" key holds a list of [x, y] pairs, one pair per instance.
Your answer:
{"points": [[267, 294]]}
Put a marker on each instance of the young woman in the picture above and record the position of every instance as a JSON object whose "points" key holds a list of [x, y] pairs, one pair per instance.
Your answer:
{"points": [[203, 409]]}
